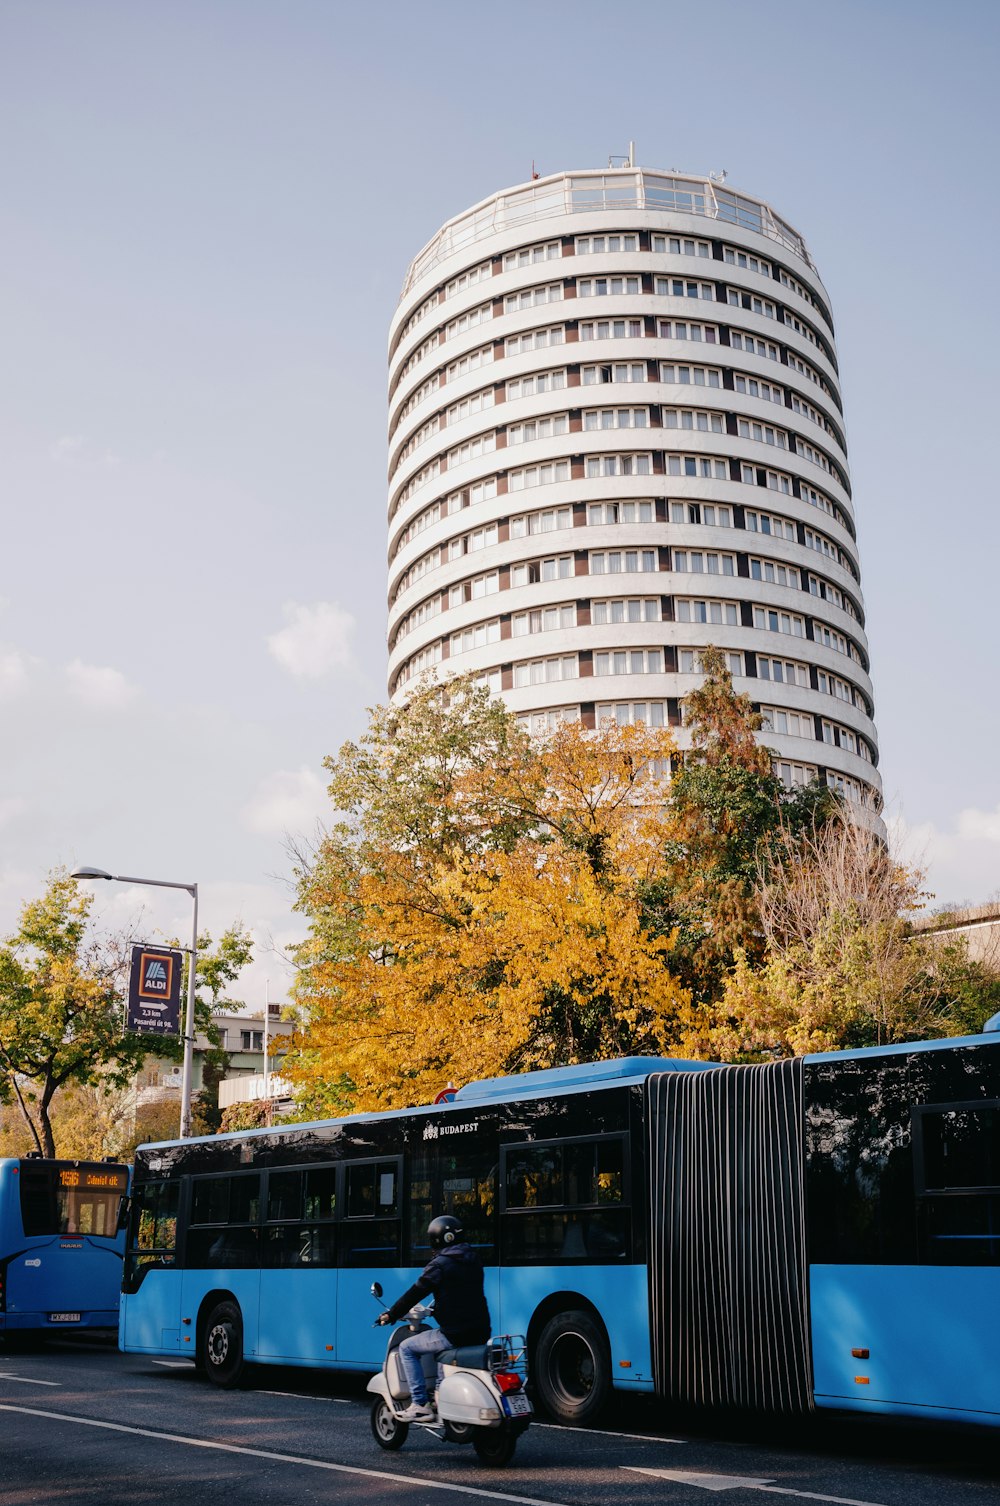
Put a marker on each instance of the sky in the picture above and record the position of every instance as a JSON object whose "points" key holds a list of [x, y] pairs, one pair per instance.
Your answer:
{"points": [[207, 208]]}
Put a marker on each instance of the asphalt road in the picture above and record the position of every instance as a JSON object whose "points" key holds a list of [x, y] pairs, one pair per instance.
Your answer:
{"points": [[80, 1423]]}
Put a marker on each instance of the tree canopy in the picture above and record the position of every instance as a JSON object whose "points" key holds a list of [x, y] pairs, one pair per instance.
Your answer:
{"points": [[61, 1016], [476, 908]]}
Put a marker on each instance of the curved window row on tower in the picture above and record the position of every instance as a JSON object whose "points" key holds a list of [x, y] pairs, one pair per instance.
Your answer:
{"points": [[616, 437]]}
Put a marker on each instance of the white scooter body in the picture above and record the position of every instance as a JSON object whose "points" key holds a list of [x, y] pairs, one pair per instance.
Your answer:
{"points": [[468, 1402]]}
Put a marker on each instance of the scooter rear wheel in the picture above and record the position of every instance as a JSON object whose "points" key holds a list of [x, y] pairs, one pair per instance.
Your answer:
{"points": [[387, 1430], [494, 1447]]}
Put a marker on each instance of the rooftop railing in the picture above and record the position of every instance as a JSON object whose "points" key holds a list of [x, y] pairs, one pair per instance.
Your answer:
{"points": [[612, 190]]}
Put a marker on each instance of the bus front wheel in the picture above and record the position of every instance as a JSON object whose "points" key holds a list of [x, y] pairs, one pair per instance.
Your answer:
{"points": [[572, 1370], [222, 1345]]}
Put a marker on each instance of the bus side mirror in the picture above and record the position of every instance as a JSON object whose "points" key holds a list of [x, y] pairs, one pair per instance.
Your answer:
{"points": [[124, 1203], [376, 1288]]}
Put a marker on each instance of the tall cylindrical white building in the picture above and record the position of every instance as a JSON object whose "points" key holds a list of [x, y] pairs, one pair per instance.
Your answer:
{"points": [[616, 435]]}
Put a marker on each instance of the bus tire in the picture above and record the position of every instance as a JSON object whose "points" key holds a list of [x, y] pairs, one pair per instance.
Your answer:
{"points": [[222, 1345], [572, 1369]]}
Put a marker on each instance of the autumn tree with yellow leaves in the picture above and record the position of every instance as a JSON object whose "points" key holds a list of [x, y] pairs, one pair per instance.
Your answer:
{"points": [[476, 907]]}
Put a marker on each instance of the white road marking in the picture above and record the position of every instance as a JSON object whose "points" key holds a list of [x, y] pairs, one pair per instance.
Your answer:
{"points": [[560, 1427], [175, 1364], [26, 1380], [260, 1453], [344, 1401], [740, 1482]]}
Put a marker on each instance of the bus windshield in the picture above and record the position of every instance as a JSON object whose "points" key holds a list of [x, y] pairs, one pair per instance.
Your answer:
{"points": [[65, 1198]]}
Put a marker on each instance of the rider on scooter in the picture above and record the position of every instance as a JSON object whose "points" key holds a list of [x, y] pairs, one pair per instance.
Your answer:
{"points": [[455, 1276]]}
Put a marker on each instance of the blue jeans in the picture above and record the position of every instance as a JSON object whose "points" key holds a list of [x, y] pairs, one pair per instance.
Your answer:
{"points": [[432, 1341]]}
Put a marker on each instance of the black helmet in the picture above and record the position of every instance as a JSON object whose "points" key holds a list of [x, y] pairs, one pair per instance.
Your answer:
{"points": [[443, 1231]]}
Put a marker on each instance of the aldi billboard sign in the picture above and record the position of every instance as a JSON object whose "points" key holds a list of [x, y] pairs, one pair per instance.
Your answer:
{"points": [[154, 991]]}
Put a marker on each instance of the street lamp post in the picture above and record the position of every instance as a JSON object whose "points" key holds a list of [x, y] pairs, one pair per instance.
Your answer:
{"points": [[192, 889]]}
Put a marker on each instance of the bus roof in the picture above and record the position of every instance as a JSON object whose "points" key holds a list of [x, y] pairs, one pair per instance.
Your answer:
{"points": [[585, 1074], [550, 1081], [902, 1048]]}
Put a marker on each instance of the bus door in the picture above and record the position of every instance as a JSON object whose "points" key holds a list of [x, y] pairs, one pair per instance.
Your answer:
{"points": [[369, 1232], [297, 1314], [222, 1249], [151, 1305]]}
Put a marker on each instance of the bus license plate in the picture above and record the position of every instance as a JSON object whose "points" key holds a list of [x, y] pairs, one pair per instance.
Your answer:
{"points": [[64, 1317], [517, 1406]]}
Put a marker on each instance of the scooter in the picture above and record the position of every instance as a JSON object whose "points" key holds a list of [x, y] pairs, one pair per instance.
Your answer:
{"points": [[480, 1398]]}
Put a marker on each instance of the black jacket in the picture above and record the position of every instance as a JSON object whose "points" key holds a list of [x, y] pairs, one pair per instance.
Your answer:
{"points": [[455, 1276]]}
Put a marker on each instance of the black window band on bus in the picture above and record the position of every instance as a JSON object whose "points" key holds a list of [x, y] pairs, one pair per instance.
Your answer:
{"points": [[956, 1174], [566, 1201]]}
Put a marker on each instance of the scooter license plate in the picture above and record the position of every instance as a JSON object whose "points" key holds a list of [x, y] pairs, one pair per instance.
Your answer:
{"points": [[517, 1406]]}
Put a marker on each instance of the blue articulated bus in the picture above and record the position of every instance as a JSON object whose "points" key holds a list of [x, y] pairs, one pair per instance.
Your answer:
{"points": [[823, 1232], [61, 1244]]}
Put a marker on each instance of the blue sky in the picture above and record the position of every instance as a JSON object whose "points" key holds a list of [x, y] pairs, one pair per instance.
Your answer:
{"points": [[206, 213]]}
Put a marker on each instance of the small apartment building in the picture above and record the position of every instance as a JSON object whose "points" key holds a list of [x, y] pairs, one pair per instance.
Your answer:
{"points": [[241, 1037]]}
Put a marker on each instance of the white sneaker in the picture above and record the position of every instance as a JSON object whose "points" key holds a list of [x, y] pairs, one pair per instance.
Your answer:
{"points": [[416, 1412]]}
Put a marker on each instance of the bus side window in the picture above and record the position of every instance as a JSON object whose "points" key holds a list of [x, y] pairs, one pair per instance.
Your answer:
{"points": [[224, 1217], [566, 1202], [321, 1192], [370, 1232], [155, 1225], [957, 1174]]}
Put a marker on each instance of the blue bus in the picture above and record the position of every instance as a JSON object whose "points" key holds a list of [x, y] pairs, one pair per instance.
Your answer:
{"points": [[817, 1233], [62, 1242]]}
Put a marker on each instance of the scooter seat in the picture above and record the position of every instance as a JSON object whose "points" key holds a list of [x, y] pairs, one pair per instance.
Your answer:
{"points": [[469, 1356]]}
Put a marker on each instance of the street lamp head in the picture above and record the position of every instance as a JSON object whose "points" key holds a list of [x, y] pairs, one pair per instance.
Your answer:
{"points": [[90, 873]]}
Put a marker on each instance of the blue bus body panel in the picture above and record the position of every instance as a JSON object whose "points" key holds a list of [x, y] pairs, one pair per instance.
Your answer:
{"points": [[326, 1317], [150, 1320], [932, 1333], [619, 1293]]}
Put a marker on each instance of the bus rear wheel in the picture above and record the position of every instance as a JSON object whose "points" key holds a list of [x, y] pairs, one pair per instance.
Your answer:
{"points": [[222, 1345], [572, 1370]]}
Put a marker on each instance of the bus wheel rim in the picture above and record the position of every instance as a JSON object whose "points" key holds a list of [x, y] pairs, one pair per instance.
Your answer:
{"points": [[218, 1344], [573, 1366]]}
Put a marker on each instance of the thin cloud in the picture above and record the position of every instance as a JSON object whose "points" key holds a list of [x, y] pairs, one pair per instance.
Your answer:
{"points": [[315, 642], [99, 686], [68, 447], [13, 673], [962, 864], [288, 801]]}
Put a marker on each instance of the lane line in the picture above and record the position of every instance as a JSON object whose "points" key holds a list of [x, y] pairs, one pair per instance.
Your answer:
{"points": [[175, 1364], [561, 1427], [343, 1401], [707, 1481], [259, 1453], [26, 1380]]}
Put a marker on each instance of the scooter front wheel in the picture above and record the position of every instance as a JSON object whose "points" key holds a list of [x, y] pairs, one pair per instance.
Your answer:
{"points": [[494, 1447], [387, 1430]]}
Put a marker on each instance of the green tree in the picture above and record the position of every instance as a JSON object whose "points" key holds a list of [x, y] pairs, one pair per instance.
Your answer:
{"points": [[728, 811], [61, 1015], [60, 1009]]}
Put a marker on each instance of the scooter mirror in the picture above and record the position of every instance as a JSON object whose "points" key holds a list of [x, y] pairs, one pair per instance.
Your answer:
{"points": [[376, 1288]]}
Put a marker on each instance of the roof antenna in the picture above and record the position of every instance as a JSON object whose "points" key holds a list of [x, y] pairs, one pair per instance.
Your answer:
{"points": [[534, 173]]}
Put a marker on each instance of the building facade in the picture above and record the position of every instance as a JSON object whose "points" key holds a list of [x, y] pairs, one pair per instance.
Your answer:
{"points": [[616, 436]]}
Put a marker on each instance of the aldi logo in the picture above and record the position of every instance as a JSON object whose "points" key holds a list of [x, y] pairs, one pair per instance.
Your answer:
{"points": [[154, 991]]}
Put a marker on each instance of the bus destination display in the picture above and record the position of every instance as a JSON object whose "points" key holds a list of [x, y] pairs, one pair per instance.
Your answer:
{"points": [[115, 1181]]}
